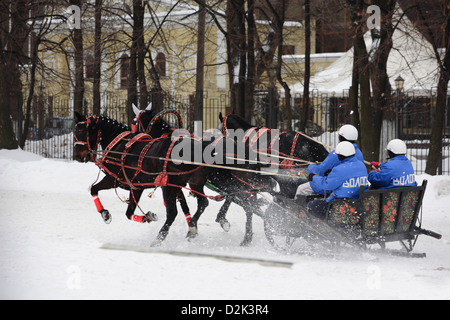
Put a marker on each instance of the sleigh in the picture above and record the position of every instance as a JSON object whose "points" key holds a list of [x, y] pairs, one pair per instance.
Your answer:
{"points": [[378, 217]]}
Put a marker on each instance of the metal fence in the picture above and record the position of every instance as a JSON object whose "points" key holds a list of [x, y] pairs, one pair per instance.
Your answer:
{"points": [[51, 136]]}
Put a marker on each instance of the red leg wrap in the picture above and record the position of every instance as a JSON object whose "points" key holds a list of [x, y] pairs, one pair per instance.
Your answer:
{"points": [[98, 204], [136, 218], [188, 217]]}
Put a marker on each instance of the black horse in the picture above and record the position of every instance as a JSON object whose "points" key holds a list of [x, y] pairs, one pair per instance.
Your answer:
{"points": [[293, 147], [135, 161], [240, 186], [237, 186], [153, 124]]}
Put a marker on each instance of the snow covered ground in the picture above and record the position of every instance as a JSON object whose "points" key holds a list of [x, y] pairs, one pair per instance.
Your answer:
{"points": [[51, 238]]}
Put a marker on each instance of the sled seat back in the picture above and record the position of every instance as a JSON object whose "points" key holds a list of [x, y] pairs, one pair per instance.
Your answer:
{"points": [[381, 215]]}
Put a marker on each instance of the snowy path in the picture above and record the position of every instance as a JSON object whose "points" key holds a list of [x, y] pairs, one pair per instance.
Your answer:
{"points": [[51, 238]]}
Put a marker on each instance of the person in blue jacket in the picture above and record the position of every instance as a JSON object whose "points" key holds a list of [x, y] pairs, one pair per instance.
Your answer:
{"points": [[346, 133], [394, 173], [343, 181]]}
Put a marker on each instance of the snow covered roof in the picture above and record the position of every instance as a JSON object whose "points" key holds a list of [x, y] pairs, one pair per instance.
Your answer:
{"points": [[412, 57]]}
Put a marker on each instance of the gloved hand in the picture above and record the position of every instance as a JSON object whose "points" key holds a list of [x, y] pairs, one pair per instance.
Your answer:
{"points": [[311, 176], [375, 165]]}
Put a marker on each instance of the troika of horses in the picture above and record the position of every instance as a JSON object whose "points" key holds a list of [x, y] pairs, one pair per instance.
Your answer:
{"points": [[253, 167]]}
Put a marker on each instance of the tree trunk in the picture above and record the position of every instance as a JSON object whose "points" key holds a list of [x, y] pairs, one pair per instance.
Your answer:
{"points": [[438, 119], [132, 73], [97, 57], [305, 104], [361, 62], [367, 125], [77, 38], [242, 45], [13, 33], [279, 21], [200, 76], [235, 18], [438, 116], [380, 81], [251, 63], [138, 9], [32, 84], [7, 136]]}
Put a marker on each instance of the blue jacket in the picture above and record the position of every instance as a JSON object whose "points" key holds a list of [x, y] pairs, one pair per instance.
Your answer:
{"points": [[344, 180], [331, 161], [397, 172]]}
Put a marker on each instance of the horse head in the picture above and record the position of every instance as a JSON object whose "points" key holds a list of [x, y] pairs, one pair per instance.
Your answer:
{"points": [[86, 137]]}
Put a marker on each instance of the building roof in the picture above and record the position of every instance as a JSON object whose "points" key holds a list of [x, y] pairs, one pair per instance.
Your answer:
{"points": [[412, 57]]}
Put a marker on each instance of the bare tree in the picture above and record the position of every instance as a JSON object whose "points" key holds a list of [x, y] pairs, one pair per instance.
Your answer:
{"points": [[78, 45], [199, 79], [12, 38], [381, 86], [97, 58], [443, 61], [305, 104]]}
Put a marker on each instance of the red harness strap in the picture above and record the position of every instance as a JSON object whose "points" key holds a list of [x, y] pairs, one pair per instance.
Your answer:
{"points": [[248, 133], [163, 178], [113, 143], [137, 138], [288, 163]]}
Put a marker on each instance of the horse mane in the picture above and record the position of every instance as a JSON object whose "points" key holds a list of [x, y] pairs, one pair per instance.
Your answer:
{"points": [[148, 115], [242, 123], [106, 123]]}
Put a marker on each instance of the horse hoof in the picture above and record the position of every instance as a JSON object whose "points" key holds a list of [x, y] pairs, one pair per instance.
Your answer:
{"points": [[156, 243], [192, 233], [160, 238], [247, 241], [149, 217], [225, 225], [106, 216]]}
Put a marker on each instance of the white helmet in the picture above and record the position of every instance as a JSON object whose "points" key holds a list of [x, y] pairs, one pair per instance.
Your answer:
{"points": [[349, 132], [397, 146], [345, 149]]}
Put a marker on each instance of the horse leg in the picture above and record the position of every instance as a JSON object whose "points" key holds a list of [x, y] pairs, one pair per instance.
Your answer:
{"points": [[221, 216], [106, 183], [249, 208], [170, 198], [202, 203], [184, 206], [248, 228], [135, 196]]}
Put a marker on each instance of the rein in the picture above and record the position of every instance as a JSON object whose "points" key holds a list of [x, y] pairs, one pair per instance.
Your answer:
{"points": [[196, 164]]}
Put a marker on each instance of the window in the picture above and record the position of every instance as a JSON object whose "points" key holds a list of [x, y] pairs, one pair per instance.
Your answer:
{"points": [[89, 65], [288, 50], [161, 64], [124, 70]]}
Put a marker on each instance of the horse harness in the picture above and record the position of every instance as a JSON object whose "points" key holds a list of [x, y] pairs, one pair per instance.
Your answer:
{"points": [[258, 133], [162, 177]]}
